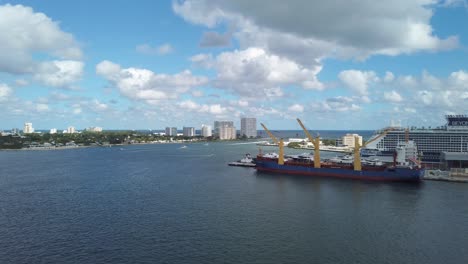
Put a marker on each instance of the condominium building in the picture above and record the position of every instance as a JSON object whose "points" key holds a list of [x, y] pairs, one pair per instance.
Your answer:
{"points": [[206, 131], [28, 128], [248, 127], [218, 124], [348, 140], [53, 131], [71, 130], [171, 131], [227, 132], [94, 129], [188, 131]]}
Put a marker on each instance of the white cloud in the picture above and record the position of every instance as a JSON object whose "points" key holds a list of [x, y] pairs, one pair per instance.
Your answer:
{"points": [[393, 97], [214, 109], [296, 108], [25, 33], [59, 73], [256, 73], [337, 104], [42, 108], [5, 91], [358, 81], [143, 84], [149, 50]]}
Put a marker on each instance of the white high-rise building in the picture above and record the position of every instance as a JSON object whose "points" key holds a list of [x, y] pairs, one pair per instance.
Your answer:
{"points": [[53, 131], [171, 131], [71, 130], [28, 128], [206, 131], [94, 129], [248, 127], [227, 132], [218, 124], [188, 131], [348, 140]]}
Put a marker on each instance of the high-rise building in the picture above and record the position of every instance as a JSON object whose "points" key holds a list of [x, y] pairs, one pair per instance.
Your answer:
{"points": [[248, 127], [28, 128], [71, 130], [218, 124], [94, 129], [349, 140], [206, 131], [227, 132], [171, 131], [53, 131], [188, 131]]}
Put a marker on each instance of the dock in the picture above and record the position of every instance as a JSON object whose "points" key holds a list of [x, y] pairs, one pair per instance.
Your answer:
{"points": [[454, 175]]}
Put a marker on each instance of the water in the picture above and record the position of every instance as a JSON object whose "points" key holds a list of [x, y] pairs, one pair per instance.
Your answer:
{"points": [[167, 204]]}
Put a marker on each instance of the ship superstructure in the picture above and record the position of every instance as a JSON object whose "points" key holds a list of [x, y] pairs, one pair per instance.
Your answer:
{"points": [[452, 137]]}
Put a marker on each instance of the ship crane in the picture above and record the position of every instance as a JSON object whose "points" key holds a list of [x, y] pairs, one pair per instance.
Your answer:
{"points": [[357, 148], [316, 143], [276, 141]]}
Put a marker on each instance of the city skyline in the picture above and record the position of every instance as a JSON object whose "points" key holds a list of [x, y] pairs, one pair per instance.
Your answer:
{"points": [[185, 63]]}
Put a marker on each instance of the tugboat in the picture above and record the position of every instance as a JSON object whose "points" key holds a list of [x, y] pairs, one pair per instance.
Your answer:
{"points": [[247, 161]]}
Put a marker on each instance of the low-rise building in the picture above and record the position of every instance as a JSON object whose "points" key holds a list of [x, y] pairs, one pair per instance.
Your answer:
{"points": [[349, 140]]}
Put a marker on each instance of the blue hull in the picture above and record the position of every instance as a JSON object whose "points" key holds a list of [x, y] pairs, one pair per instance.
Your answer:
{"points": [[384, 174]]}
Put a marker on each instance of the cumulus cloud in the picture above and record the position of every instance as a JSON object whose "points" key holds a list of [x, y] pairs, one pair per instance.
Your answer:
{"points": [[5, 92], [254, 72], [159, 50], [393, 97], [364, 29], [145, 85], [42, 108], [25, 33], [296, 108], [358, 81], [214, 109], [59, 73]]}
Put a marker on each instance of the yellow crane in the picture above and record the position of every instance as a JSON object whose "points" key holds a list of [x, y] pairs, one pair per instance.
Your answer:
{"points": [[316, 143], [357, 148], [275, 140], [280, 145]]}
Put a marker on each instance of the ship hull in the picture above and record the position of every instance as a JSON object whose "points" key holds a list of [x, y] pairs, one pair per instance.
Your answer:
{"points": [[374, 174]]}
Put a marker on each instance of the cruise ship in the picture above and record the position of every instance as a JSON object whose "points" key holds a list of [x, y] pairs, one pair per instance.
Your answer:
{"points": [[452, 137]]}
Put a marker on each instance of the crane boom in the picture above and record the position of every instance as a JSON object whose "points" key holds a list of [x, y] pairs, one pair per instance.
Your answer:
{"points": [[275, 140], [316, 143], [311, 139], [377, 137]]}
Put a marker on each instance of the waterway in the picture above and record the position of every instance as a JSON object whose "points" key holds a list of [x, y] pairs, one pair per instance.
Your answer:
{"points": [[166, 204]]}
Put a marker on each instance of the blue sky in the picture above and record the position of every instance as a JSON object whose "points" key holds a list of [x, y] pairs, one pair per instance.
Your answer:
{"points": [[152, 64]]}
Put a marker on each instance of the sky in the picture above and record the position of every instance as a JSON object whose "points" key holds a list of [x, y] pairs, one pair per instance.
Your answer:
{"points": [[151, 64]]}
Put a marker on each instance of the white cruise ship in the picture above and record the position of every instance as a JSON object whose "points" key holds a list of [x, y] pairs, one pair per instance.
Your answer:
{"points": [[452, 137]]}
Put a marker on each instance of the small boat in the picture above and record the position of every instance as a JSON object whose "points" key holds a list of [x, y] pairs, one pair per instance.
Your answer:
{"points": [[183, 147]]}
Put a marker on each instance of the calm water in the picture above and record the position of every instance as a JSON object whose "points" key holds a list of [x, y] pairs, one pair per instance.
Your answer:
{"points": [[166, 204]]}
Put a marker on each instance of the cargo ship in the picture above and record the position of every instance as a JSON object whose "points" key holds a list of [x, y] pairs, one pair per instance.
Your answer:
{"points": [[403, 168]]}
